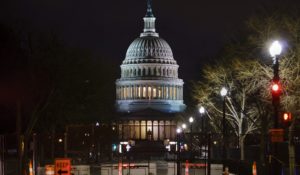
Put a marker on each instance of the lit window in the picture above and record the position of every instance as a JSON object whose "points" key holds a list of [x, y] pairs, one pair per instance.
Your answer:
{"points": [[124, 93], [154, 92], [175, 93], [139, 92], [159, 92]]}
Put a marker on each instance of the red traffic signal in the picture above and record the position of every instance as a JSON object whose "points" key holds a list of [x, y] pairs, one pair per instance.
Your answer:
{"points": [[276, 88], [287, 118]]}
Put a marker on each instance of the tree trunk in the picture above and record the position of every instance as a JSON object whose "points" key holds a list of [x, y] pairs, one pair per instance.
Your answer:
{"points": [[242, 146]]}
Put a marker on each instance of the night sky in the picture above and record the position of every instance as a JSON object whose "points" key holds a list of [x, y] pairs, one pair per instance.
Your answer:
{"points": [[196, 30]]}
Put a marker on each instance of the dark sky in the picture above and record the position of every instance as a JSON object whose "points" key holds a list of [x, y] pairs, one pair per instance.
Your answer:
{"points": [[195, 29]]}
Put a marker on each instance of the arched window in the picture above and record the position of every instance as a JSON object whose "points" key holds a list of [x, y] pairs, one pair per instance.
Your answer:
{"points": [[139, 72], [146, 71], [159, 71]]}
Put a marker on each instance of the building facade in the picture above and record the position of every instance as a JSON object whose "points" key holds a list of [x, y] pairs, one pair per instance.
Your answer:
{"points": [[149, 92]]}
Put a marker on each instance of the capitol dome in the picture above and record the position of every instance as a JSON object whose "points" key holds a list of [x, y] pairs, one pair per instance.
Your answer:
{"points": [[149, 74], [149, 49]]}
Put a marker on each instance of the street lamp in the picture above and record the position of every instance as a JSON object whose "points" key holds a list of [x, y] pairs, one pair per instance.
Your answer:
{"points": [[183, 126], [223, 93], [178, 131], [191, 120], [202, 111], [275, 50]]}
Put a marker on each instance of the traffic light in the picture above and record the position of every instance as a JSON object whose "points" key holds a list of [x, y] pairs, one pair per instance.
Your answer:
{"points": [[276, 88], [276, 92], [286, 119]]}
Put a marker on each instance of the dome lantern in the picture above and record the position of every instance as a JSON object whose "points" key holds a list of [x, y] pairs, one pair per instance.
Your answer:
{"points": [[149, 22]]}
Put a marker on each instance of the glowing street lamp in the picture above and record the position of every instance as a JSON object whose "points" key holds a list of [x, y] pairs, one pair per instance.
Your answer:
{"points": [[191, 120], [201, 110], [275, 49], [223, 93], [178, 130], [183, 126]]}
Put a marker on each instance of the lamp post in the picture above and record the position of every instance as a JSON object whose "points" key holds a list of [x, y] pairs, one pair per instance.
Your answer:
{"points": [[202, 111], [275, 50], [223, 93], [191, 120], [183, 126], [178, 131]]}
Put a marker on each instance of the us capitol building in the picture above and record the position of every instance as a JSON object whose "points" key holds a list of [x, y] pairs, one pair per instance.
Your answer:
{"points": [[149, 92]]}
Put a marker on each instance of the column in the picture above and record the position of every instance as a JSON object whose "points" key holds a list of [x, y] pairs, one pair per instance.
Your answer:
{"points": [[162, 91], [164, 128], [121, 97], [146, 96], [158, 130]]}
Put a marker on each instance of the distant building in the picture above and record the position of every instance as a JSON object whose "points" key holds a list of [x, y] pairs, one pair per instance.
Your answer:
{"points": [[149, 92]]}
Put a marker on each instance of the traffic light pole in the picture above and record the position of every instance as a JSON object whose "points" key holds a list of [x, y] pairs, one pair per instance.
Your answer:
{"points": [[275, 166]]}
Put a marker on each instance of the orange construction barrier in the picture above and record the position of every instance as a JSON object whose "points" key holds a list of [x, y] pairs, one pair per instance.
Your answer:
{"points": [[30, 167], [254, 172], [186, 167]]}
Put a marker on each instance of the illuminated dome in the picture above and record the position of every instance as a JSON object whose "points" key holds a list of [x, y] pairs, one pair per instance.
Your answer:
{"points": [[149, 49], [149, 74]]}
